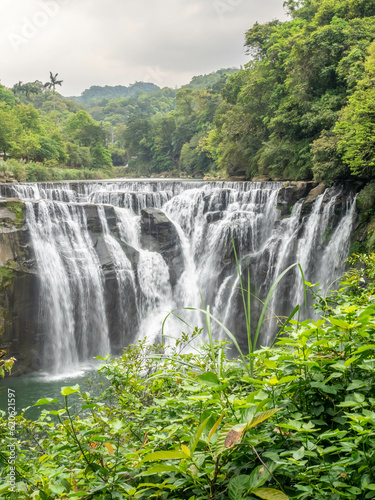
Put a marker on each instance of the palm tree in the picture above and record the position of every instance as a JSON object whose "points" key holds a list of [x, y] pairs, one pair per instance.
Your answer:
{"points": [[52, 85]]}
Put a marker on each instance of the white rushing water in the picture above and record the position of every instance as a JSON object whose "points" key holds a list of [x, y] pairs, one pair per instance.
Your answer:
{"points": [[72, 294], [105, 282]]}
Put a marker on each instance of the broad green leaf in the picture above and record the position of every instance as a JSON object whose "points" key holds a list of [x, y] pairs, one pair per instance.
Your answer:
{"points": [[356, 384], [164, 455], [110, 448], [129, 489], [269, 363], [359, 397], [260, 417], [349, 361], [117, 425], [210, 379], [333, 375], [57, 412], [290, 378], [65, 391], [238, 486], [220, 443], [354, 490], [328, 389], [216, 425], [348, 404], [56, 488], [270, 494], [4, 488], [159, 469], [255, 381], [195, 441], [260, 475], [294, 425], [331, 434], [300, 453], [341, 323], [364, 348], [98, 488], [186, 450], [45, 401]]}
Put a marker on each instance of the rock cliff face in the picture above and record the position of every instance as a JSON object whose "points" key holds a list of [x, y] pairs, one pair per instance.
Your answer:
{"points": [[294, 191], [19, 289], [158, 234]]}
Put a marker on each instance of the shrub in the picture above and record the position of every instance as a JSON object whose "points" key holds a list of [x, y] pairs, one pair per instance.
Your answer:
{"points": [[176, 425]]}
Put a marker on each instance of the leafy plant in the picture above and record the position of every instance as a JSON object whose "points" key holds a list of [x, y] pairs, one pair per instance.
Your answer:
{"points": [[176, 425]]}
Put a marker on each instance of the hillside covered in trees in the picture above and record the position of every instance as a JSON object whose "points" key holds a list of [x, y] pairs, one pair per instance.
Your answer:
{"points": [[302, 108], [80, 137]]}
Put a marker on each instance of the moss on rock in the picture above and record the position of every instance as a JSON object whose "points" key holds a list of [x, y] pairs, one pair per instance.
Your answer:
{"points": [[7, 274], [16, 207]]}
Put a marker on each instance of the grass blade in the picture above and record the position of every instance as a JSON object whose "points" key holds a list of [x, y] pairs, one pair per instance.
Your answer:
{"points": [[266, 302]]}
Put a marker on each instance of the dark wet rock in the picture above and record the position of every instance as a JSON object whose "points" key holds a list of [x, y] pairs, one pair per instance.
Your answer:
{"points": [[19, 289], [158, 234], [312, 196], [291, 193], [212, 217], [217, 201], [261, 178]]}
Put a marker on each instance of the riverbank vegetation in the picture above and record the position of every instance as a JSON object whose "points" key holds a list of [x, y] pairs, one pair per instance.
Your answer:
{"points": [[201, 426]]}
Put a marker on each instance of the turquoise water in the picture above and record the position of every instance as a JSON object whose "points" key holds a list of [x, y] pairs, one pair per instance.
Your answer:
{"points": [[32, 387]]}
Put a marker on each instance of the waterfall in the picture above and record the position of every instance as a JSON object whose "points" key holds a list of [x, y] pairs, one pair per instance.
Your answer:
{"points": [[114, 257], [72, 296]]}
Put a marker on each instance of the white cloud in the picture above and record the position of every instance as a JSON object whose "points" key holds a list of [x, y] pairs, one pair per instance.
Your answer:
{"points": [[91, 42]]}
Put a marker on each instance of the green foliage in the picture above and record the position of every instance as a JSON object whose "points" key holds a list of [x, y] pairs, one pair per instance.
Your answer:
{"points": [[356, 129], [366, 200], [211, 80], [7, 275], [6, 96], [5, 365], [16, 207], [55, 134], [119, 91], [281, 111], [101, 158], [78, 156], [37, 172], [163, 143], [170, 426]]}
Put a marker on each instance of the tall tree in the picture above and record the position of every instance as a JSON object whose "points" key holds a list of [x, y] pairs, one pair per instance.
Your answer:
{"points": [[51, 85]]}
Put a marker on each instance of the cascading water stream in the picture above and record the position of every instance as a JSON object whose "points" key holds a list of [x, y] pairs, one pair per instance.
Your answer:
{"points": [[72, 296], [109, 275]]}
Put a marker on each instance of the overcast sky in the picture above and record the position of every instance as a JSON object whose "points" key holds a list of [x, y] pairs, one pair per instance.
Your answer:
{"points": [[118, 42]]}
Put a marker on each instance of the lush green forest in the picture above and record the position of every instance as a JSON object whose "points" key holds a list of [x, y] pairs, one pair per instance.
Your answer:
{"points": [[302, 108], [44, 136]]}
